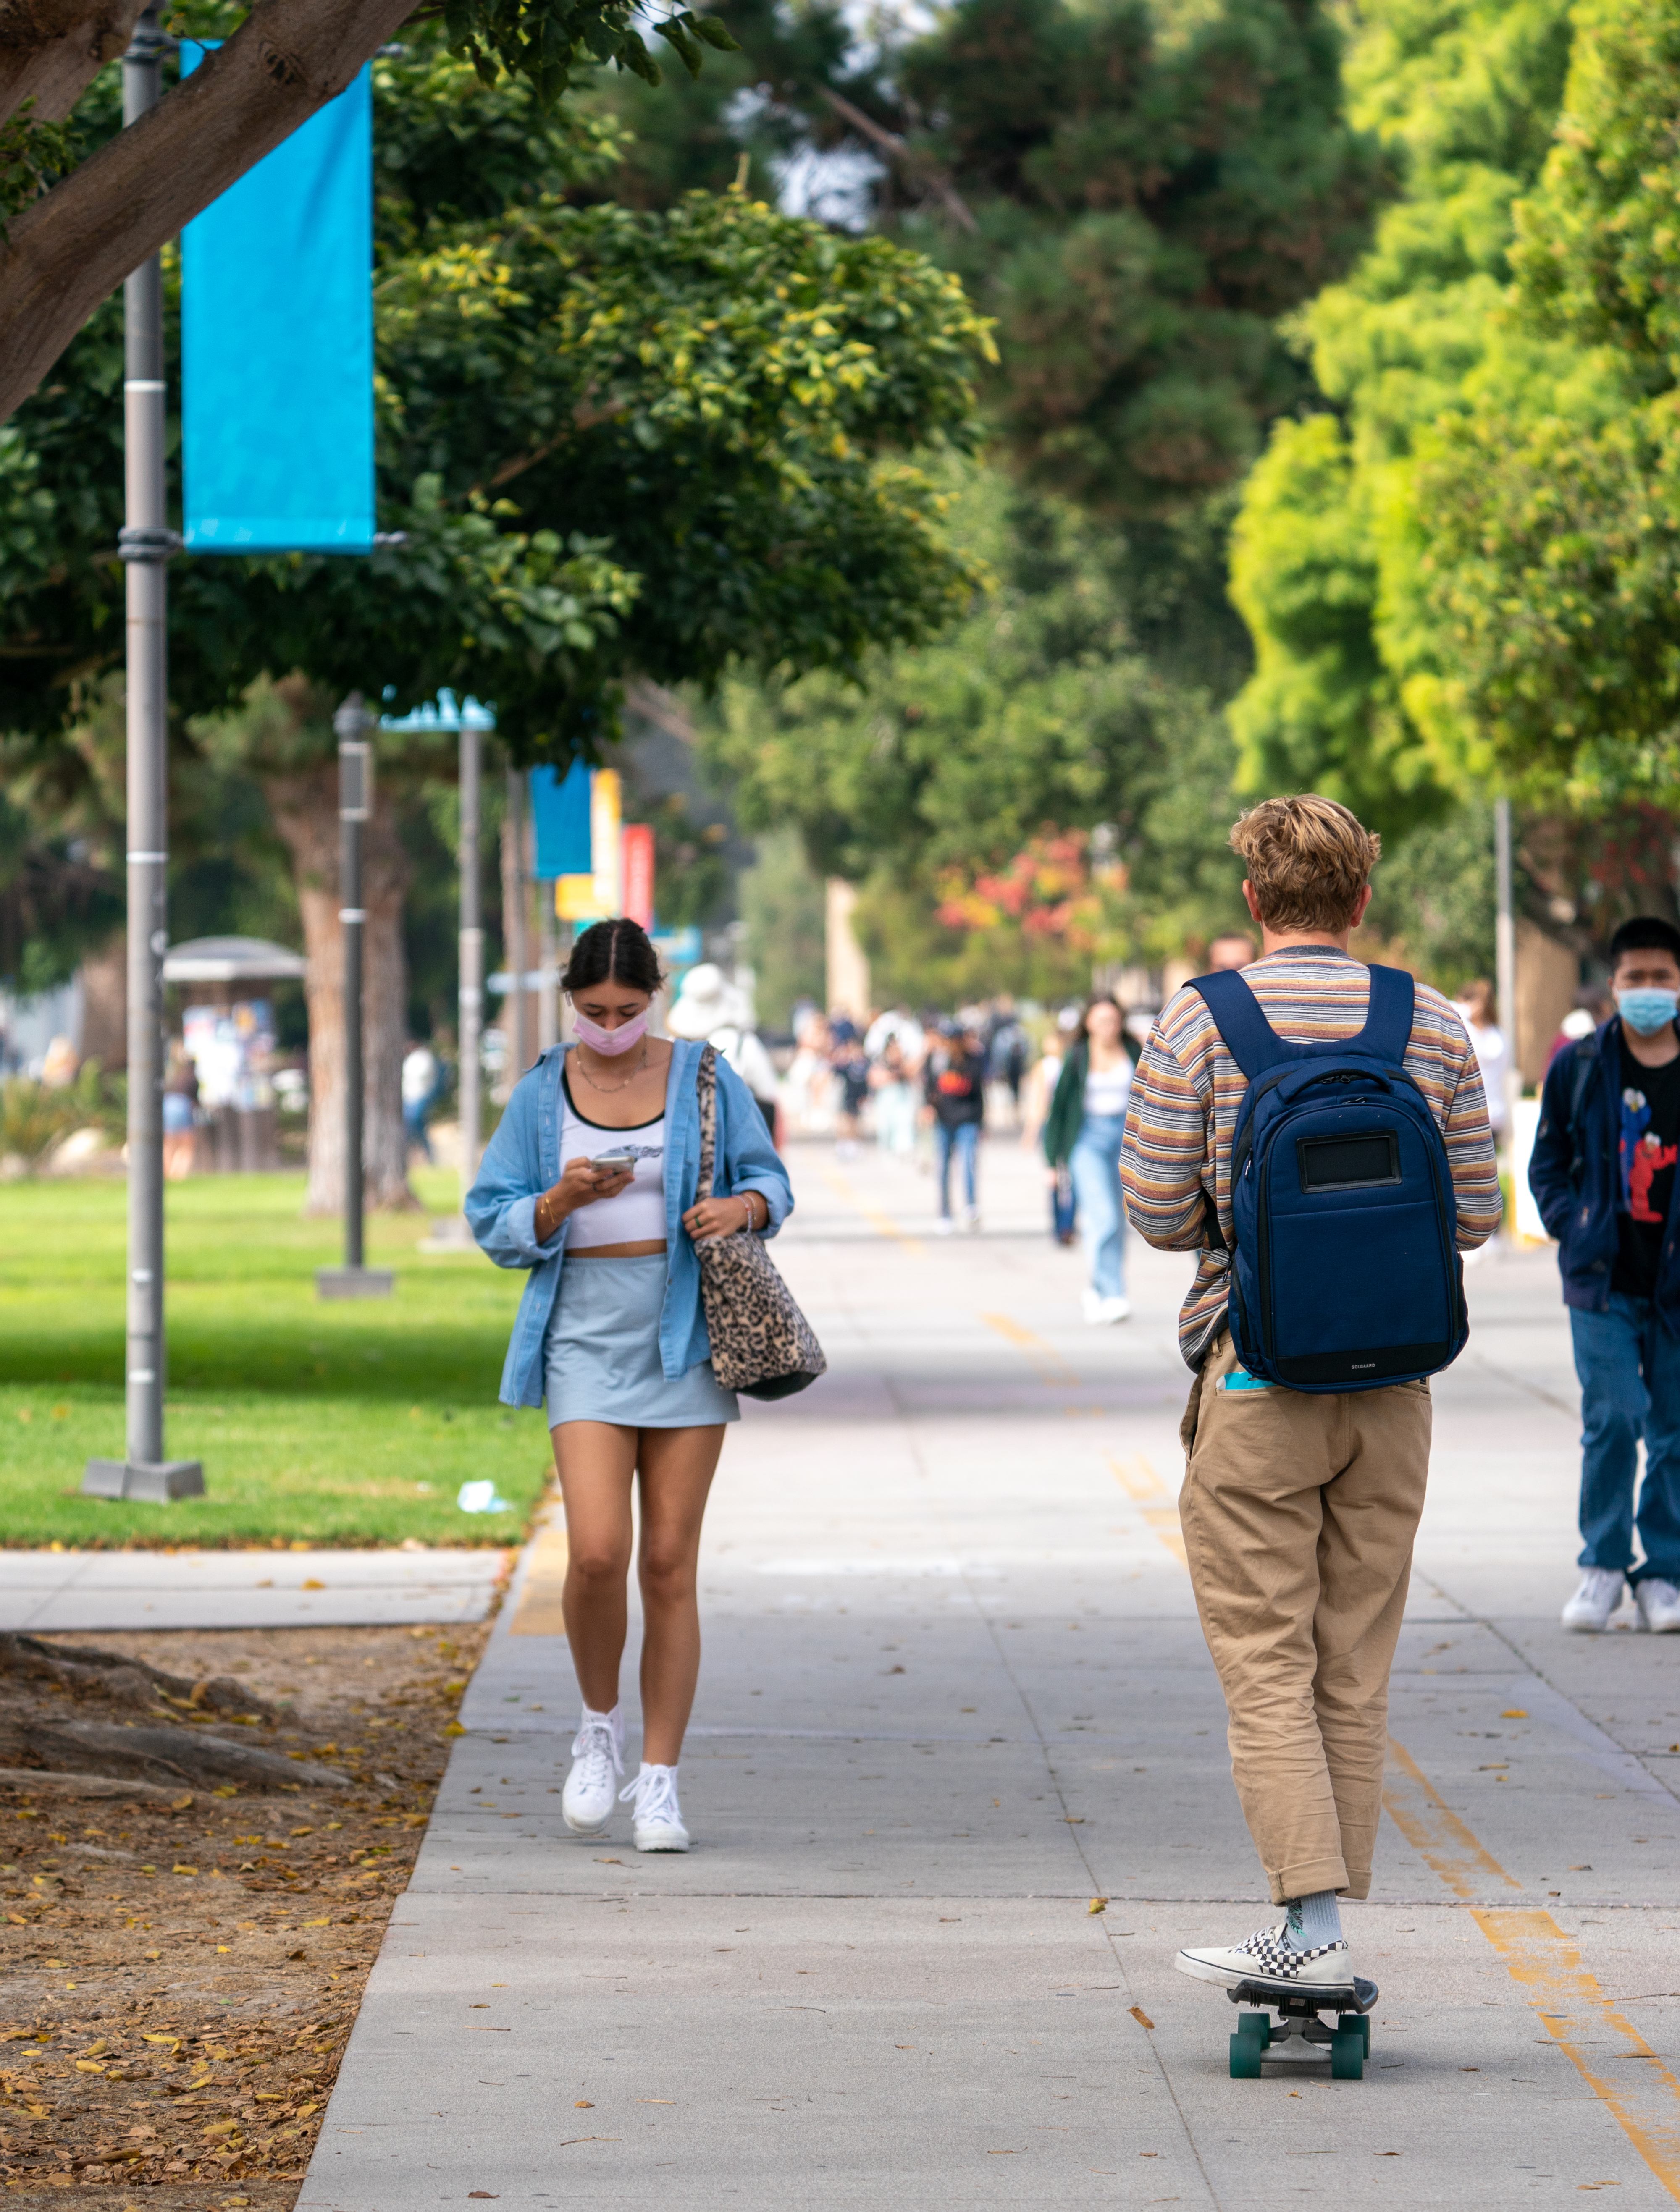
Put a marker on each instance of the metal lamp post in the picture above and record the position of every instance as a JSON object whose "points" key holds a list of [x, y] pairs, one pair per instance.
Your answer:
{"points": [[450, 1233], [1505, 955], [145, 544], [355, 806]]}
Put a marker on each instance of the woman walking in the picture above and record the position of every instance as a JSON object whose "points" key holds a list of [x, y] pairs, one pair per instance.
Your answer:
{"points": [[590, 1183], [1083, 1132]]}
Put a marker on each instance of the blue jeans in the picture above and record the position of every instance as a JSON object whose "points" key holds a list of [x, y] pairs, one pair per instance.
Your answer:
{"points": [[1629, 1370], [964, 1142], [1095, 1162]]}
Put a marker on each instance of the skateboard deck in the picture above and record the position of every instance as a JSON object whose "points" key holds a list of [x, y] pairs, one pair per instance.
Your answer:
{"points": [[1297, 2015]]}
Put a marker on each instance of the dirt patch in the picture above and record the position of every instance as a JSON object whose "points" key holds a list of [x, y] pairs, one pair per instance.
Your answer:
{"points": [[184, 1966]]}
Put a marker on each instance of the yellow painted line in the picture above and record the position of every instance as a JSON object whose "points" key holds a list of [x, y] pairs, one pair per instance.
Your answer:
{"points": [[1049, 1365], [1137, 1477], [1164, 1520], [1609, 2053], [1434, 1831], [1606, 2049], [882, 1223], [541, 1611]]}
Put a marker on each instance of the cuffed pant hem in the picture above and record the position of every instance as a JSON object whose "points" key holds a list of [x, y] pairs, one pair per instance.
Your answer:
{"points": [[1306, 1877]]}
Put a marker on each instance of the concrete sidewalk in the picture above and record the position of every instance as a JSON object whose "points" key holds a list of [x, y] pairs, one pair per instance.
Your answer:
{"points": [[92, 1591], [954, 1690]]}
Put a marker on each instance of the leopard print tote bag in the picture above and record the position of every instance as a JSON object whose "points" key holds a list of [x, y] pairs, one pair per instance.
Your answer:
{"points": [[762, 1344]]}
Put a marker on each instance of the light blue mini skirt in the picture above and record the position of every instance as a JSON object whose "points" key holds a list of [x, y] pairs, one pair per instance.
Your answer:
{"points": [[601, 1358]]}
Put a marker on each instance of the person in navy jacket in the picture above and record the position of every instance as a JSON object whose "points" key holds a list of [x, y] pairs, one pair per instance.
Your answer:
{"points": [[1603, 1175]]}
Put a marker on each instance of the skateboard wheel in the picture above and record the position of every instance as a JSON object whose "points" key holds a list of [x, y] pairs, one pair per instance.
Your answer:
{"points": [[1257, 2024], [1355, 2023], [1347, 2055], [1246, 2052]]}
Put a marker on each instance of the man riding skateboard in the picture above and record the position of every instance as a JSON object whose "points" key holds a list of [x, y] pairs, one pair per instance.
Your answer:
{"points": [[1306, 1465]]}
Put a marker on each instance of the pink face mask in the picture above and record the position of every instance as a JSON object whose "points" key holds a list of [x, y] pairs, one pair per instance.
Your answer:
{"points": [[610, 1041]]}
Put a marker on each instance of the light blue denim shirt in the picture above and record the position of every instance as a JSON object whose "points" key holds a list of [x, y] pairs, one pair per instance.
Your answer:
{"points": [[522, 1160]]}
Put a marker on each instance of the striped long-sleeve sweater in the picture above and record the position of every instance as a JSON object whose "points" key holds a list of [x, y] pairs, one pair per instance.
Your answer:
{"points": [[1181, 1114]]}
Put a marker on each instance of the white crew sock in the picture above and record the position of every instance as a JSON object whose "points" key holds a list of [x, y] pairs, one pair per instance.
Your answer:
{"points": [[1313, 1920]]}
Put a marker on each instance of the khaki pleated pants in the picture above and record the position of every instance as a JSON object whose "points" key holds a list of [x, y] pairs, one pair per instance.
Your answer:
{"points": [[1299, 1516]]}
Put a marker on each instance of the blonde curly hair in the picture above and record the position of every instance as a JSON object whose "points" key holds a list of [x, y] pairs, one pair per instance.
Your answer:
{"points": [[1308, 858]]}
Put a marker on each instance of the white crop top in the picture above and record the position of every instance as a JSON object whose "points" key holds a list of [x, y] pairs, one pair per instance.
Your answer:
{"points": [[636, 1216], [1107, 1088]]}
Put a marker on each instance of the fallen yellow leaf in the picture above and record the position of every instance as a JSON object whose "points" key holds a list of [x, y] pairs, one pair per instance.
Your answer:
{"points": [[1097, 1905], [1141, 2017], [1513, 1713], [310, 1582], [88, 2066]]}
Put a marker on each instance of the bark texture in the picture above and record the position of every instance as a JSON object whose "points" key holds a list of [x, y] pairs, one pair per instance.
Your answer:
{"points": [[51, 51], [72, 247], [304, 804]]}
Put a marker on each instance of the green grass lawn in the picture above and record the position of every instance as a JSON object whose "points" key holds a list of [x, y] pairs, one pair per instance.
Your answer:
{"points": [[351, 1422]]}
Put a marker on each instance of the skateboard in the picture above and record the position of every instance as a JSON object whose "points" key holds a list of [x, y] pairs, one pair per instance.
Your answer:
{"points": [[1298, 2014]]}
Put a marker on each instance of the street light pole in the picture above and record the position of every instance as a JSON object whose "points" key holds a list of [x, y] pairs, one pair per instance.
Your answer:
{"points": [[145, 542], [1504, 957], [471, 949], [355, 805]]}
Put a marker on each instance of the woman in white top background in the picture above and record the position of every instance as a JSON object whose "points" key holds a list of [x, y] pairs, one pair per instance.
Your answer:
{"points": [[590, 1183], [1083, 1131]]}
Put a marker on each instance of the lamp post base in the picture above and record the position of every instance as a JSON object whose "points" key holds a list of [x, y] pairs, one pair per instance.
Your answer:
{"points": [[354, 1282], [157, 1482]]}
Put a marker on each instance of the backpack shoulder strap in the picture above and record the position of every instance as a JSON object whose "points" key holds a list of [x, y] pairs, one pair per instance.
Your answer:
{"points": [[1388, 1018], [705, 1083], [1585, 1059], [1251, 1041]]}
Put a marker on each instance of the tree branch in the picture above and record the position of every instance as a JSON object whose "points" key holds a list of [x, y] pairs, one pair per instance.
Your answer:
{"points": [[51, 51], [72, 247], [919, 166]]}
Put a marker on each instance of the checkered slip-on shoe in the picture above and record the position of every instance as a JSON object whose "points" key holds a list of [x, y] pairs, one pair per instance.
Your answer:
{"points": [[1267, 1957]]}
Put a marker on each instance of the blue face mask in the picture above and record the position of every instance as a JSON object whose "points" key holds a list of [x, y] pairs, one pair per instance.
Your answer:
{"points": [[1646, 1011]]}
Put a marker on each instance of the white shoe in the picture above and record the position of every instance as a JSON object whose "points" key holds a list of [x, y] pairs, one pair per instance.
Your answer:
{"points": [[657, 1822], [1598, 1596], [1658, 1604], [944, 1225], [1103, 1313], [1266, 1957], [971, 1221], [1094, 1302], [597, 1760]]}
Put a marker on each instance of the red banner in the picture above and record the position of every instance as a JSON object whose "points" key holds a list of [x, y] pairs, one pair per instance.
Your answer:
{"points": [[638, 872]]}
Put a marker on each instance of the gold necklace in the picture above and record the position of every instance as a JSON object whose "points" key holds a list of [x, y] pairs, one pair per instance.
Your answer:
{"points": [[607, 1089]]}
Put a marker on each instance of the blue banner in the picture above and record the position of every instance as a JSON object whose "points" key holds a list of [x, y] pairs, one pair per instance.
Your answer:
{"points": [[560, 815], [278, 344]]}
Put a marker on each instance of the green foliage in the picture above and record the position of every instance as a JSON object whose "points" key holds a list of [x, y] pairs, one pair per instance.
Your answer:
{"points": [[1148, 197], [1329, 569], [34, 155], [781, 903], [1041, 710], [1554, 559]]}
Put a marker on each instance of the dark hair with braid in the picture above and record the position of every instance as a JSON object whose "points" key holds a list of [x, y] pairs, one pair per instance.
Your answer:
{"points": [[618, 951]]}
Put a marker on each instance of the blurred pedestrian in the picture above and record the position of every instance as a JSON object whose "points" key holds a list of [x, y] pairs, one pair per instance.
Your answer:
{"points": [[1083, 1134], [954, 1085], [893, 1088], [1593, 1006], [180, 1114], [1232, 948], [1601, 1172], [1040, 1090], [1477, 1009], [611, 1333], [1006, 1054], [850, 1064], [420, 1086], [709, 1009]]}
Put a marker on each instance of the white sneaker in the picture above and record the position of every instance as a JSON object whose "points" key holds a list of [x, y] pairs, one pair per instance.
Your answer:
{"points": [[971, 1221], [944, 1225], [597, 1760], [1094, 1302], [1266, 1957], [657, 1822], [1658, 1604], [1103, 1313], [1599, 1595]]}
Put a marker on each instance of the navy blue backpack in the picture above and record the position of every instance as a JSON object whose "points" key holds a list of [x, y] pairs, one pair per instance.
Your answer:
{"points": [[1346, 1274]]}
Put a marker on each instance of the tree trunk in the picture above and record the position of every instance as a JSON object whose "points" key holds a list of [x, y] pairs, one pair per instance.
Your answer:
{"points": [[305, 808], [52, 50], [72, 247], [105, 1005]]}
